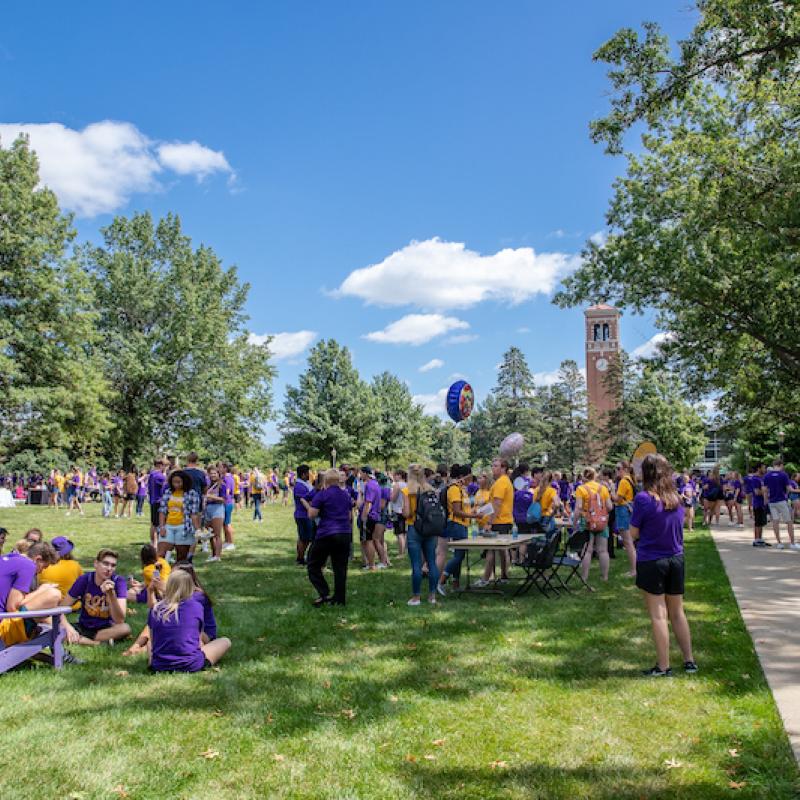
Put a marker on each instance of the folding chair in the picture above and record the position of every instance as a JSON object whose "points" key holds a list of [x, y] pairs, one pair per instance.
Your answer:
{"points": [[538, 562], [52, 637], [577, 542]]}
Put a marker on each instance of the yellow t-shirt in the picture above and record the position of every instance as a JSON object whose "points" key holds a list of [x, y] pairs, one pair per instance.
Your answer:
{"points": [[482, 497], [625, 490], [58, 480], [456, 494], [237, 482], [504, 491], [256, 489], [147, 572], [412, 506], [175, 508], [63, 574], [594, 487], [548, 500]]}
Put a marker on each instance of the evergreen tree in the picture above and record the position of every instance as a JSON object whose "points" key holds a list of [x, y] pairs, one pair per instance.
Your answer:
{"points": [[51, 389], [175, 346], [449, 442], [404, 434], [564, 415], [331, 408]]}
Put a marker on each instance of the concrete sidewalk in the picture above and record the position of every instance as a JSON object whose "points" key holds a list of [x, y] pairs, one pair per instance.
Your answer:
{"points": [[766, 583]]}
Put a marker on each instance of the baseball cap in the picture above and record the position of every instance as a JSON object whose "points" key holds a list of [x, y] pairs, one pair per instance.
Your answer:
{"points": [[62, 545]]}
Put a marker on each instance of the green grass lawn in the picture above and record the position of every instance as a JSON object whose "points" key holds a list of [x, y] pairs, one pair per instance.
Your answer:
{"points": [[479, 697]]}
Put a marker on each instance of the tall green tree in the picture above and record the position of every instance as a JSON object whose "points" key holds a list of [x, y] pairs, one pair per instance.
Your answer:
{"points": [[705, 224], [404, 434], [331, 408], [564, 416], [51, 389], [175, 347], [449, 442]]}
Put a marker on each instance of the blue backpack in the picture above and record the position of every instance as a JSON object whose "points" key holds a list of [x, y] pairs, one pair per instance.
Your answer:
{"points": [[534, 512]]}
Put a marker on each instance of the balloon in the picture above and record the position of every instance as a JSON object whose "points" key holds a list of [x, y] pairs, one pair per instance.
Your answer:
{"points": [[460, 400], [511, 445], [644, 449]]}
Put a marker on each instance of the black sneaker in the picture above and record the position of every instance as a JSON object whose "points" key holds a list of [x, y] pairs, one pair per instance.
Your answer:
{"points": [[71, 659], [657, 672], [690, 667], [320, 601]]}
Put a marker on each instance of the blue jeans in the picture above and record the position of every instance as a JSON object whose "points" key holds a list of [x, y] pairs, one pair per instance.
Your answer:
{"points": [[256, 506], [417, 545], [108, 504], [455, 532]]}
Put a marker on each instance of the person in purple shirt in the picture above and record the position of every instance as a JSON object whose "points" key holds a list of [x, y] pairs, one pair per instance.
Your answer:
{"points": [[776, 489], [332, 507], [17, 575], [228, 485], [369, 513], [156, 484], [176, 628], [103, 596], [303, 493], [657, 521], [759, 505]]}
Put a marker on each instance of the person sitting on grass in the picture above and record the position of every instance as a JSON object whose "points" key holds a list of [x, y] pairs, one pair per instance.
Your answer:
{"points": [[34, 535], [176, 627], [103, 600], [66, 571], [155, 571], [17, 575], [657, 521], [179, 516]]}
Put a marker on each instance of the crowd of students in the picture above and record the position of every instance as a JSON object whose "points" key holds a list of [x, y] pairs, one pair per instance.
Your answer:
{"points": [[425, 510]]}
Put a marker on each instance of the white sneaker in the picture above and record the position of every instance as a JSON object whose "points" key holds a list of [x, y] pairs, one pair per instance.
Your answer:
{"points": [[229, 546], [379, 565], [780, 546], [432, 599], [212, 558], [440, 588], [795, 546], [480, 583], [414, 601]]}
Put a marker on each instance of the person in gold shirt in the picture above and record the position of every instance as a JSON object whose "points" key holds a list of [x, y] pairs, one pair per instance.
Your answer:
{"points": [[623, 505], [459, 516], [598, 541], [502, 498], [154, 568], [65, 571]]}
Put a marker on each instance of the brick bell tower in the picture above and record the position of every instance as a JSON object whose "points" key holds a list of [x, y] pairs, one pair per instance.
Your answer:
{"points": [[602, 350]]}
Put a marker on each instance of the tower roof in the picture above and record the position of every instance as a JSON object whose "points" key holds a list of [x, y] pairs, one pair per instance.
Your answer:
{"points": [[602, 307]]}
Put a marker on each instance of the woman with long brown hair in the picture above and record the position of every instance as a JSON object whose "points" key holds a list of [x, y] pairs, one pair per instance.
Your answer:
{"points": [[657, 520]]}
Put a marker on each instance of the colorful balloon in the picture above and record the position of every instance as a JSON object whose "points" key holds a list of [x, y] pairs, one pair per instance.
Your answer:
{"points": [[460, 401]]}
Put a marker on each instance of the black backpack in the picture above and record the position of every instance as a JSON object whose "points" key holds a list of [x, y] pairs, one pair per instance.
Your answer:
{"points": [[431, 517]]}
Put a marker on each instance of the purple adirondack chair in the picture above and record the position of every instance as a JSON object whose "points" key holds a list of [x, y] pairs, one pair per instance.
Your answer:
{"points": [[53, 638]]}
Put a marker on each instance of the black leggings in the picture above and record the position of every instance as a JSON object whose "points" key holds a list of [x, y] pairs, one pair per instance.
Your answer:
{"points": [[337, 547]]}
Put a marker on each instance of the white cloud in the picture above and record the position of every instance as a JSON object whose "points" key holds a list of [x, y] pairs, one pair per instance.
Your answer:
{"points": [[434, 363], [444, 275], [97, 169], [652, 346], [416, 329], [523, 330], [599, 238], [192, 158], [432, 404], [545, 378], [285, 345]]}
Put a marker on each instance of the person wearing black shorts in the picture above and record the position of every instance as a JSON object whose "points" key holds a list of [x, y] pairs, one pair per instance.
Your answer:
{"points": [[657, 521]]}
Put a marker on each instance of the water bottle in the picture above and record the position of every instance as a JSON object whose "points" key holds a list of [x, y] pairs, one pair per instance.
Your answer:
{"points": [[515, 532], [473, 530]]}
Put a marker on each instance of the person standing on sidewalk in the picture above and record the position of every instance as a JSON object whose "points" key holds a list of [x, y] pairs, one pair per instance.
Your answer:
{"points": [[657, 521], [776, 487], [759, 505]]}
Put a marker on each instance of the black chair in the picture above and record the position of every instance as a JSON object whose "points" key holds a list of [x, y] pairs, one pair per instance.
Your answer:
{"points": [[538, 565], [576, 542]]}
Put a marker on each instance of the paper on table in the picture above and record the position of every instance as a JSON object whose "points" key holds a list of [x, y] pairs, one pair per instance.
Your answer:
{"points": [[486, 510]]}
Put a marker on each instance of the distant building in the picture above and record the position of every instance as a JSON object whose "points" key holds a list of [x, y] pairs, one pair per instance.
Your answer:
{"points": [[602, 351], [717, 450]]}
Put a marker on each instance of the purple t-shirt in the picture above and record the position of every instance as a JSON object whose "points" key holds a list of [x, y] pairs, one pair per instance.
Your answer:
{"points": [[522, 502], [95, 612], [660, 531], [141, 491], [755, 486], [209, 620], [334, 511], [777, 482], [16, 572], [372, 494], [176, 640], [156, 483], [227, 486], [302, 491]]}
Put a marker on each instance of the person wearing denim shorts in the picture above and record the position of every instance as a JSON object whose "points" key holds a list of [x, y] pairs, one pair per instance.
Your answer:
{"points": [[179, 515]]}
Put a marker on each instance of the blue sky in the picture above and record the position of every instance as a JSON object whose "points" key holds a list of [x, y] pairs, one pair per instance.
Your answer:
{"points": [[444, 145]]}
